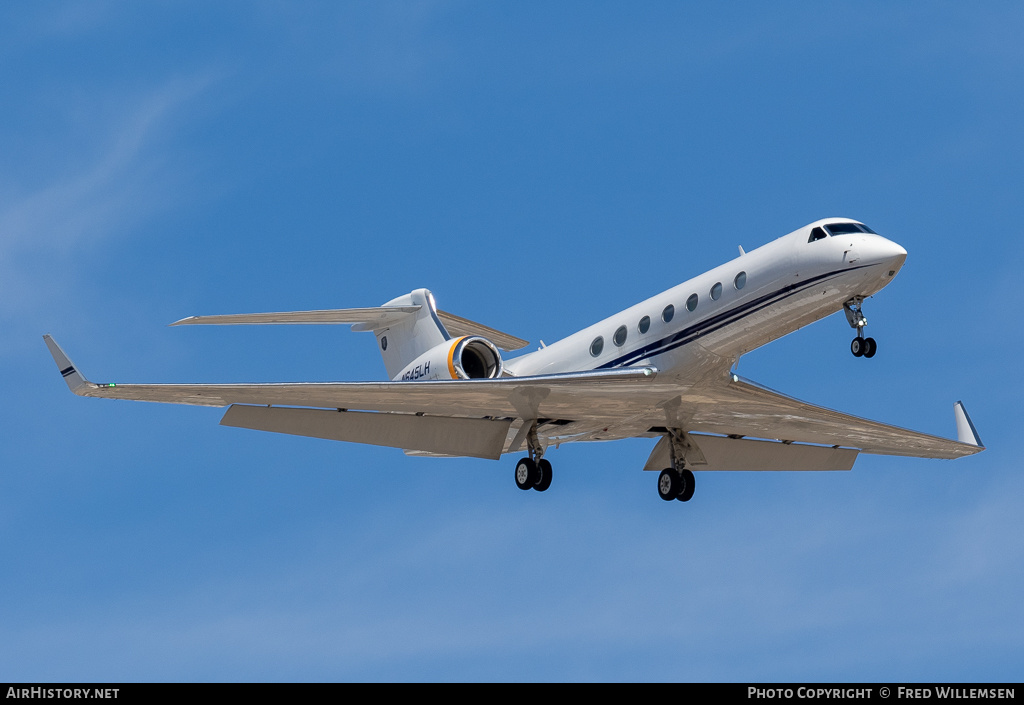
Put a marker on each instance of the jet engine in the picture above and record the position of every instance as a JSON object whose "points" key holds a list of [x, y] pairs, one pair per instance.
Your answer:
{"points": [[468, 357]]}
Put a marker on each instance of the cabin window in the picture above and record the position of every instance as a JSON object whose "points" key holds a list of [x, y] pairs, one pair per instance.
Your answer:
{"points": [[817, 234], [644, 325], [716, 291], [620, 336], [597, 346], [691, 303], [667, 314], [740, 281]]}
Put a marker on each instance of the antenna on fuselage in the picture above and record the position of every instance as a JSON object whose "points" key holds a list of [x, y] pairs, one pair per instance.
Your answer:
{"points": [[741, 250]]}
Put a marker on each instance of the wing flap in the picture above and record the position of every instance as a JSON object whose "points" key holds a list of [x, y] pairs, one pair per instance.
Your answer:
{"points": [[724, 453], [477, 438]]}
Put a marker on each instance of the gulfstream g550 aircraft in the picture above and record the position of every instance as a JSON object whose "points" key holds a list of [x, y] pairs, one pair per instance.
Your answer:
{"points": [[660, 369]]}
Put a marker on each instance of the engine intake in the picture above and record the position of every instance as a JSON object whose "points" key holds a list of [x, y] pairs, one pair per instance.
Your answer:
{"points": [[476, 358], [468, 357]]}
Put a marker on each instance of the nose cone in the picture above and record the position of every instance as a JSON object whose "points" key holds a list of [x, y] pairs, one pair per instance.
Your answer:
{"points": [[878, 250]]}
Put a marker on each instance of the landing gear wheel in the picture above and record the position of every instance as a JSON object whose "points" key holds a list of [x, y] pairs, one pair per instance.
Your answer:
{"points": [[870, 347], [669, 484], [543, 475], [686, 491], [526, 474], [857, 347]]}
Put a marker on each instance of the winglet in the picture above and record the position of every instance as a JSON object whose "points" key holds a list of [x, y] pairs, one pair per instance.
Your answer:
{"points": [[965, 430], [77, 383]]}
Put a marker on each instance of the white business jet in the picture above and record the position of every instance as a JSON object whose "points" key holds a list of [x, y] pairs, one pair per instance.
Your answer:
{"points": [[660, 369]]}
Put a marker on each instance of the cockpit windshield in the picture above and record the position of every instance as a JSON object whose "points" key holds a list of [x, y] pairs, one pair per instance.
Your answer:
{"points": [[839, 229], [846, 228]]}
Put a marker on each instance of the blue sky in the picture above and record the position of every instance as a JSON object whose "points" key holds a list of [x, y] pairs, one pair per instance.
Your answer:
{"points": [[538, 166]]}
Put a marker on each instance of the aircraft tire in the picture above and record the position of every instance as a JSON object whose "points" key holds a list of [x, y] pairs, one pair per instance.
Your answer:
{"points": [[686, 492], [857, 347], [669, 484], [544, 474], [526, 474], [870, 347]]}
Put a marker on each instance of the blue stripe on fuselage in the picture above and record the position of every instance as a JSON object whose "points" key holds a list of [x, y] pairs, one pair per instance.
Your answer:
{"points": [[718, 321]]}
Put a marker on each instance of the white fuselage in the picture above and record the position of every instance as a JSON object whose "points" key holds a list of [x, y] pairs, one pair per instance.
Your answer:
{"points": [[758, 297]]}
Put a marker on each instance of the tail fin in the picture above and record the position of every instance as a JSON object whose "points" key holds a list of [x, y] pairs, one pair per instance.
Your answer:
{"points": [[403, 341], [405, 327]]}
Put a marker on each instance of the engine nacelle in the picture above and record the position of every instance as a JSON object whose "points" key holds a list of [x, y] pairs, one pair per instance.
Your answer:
{"points": [[468, 357]]}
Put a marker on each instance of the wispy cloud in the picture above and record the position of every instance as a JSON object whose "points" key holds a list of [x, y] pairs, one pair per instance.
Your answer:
{"points": [[86, 200]]}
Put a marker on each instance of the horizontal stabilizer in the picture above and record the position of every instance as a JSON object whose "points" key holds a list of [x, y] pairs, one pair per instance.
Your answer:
{"points": [[371, 318], [362, 319], [477, 438], [456, 326]]}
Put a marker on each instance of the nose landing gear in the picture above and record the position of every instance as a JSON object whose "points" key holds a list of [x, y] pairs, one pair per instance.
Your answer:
{"points": [[860, 346]]}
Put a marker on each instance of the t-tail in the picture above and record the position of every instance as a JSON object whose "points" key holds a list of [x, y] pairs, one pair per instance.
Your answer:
{"points": [[406, 340], [416, 341]]}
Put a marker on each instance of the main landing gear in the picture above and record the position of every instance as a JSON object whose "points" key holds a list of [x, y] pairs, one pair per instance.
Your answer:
{"points": [[861, 346], [533, 472], [676, 482]]}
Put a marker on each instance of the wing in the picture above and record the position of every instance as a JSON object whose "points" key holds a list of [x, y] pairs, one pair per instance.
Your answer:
{"points": [[474, 417], [464, 417], [741, 407], [520, 397]]}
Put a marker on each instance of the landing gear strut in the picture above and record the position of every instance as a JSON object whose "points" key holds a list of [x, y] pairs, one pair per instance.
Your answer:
{"points": [[676, 482], [861, 346], [533, 472]]}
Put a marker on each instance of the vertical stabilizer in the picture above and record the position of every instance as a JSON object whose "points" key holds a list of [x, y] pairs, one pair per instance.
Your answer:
{"points": [[402, 342]]}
